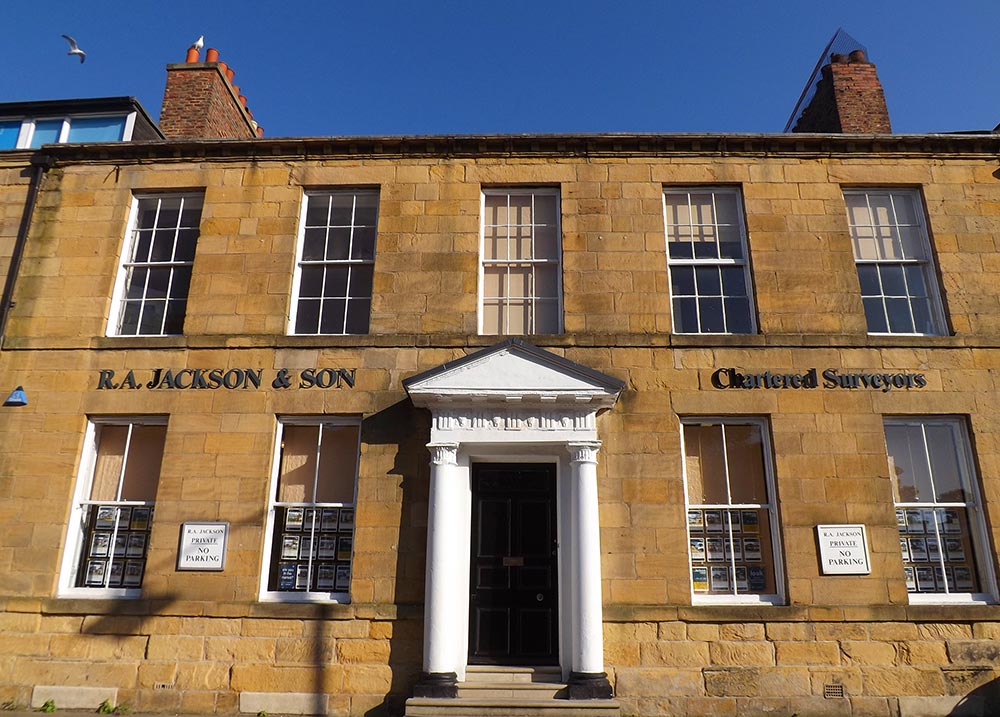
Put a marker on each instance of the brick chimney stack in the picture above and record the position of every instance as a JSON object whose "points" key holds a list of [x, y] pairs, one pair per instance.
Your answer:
{"points": [[201, 101], [849, 99]]}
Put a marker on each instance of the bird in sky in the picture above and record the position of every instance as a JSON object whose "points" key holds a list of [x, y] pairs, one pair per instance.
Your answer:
{"points": [[74, 49], [199, 43]]}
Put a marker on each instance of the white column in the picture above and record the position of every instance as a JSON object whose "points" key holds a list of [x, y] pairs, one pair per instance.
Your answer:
{"points": [[444, 531], [588, 650]]}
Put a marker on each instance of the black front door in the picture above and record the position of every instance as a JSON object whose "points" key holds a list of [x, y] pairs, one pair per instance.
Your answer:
{"points": [[514, 612]]}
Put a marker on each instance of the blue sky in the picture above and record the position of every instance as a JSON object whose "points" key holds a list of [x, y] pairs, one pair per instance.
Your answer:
{"points": [[331, 67]]}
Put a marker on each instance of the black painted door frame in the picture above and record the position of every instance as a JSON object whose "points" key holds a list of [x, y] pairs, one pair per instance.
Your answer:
{"points": [[514, 599]]}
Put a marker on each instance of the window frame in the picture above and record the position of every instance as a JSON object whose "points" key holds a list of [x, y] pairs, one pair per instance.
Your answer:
{"points": [[125, 262], [306, 596], [532, 191], [779, 596], [27, 131], [927, 265], [978, 533], [300, 262], [720, 262], [76, 529]]}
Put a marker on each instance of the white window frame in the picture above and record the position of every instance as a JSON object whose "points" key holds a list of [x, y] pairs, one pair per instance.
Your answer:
{"points": [[530, 191], [27, 131], [76, 529], [777, 598], [978, 537], [299, 261], [266, 595], [926, 264], [720, 262], [125, 262]]}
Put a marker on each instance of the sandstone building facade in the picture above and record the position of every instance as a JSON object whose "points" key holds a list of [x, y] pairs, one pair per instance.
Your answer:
{"points": [[700, 424]]}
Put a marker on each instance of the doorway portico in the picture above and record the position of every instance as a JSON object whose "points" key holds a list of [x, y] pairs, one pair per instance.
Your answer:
{"points": [[513, 536]]}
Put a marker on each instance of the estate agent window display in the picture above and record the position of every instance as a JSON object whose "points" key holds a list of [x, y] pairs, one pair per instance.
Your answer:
{"points": [[938, 510], [113, 510], [310, 522], [732, 525]]}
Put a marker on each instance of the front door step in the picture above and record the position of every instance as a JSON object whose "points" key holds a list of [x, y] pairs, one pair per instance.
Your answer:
{"points": [[490, 691]]}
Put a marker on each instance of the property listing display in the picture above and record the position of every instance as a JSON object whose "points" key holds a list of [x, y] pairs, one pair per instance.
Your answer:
{"points": [[937, 550], [115, 542], [730, 551], [313, 549]]}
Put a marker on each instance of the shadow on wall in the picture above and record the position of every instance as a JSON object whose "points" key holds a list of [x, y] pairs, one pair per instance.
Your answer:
{"points": [[403, 431], [984, 701]]}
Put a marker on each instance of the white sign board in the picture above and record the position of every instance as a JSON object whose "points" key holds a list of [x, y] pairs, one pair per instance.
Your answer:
{"points": [[843, 550], [203, 546]]}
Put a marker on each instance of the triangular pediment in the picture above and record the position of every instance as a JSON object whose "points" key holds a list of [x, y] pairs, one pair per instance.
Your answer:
{"points": [[510, 371]]}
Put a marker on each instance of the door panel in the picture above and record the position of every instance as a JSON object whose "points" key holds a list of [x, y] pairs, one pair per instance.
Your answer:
{"points": [[514, 600]]}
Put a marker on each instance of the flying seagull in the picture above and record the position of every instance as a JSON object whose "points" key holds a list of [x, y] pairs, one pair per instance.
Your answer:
{"points": [[199, 43], [74, 49]]}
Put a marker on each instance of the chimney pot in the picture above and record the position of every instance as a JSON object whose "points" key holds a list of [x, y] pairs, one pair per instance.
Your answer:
{"points": [[192, 55], [243, 101], [857, 56], [212, 55], [837, 58], [230, 74]]}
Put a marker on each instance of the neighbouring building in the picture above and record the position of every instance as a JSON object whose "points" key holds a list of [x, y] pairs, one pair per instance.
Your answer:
{"points": [[548, 424]]}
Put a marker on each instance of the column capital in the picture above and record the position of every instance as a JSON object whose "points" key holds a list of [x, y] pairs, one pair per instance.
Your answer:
{"points": [[583, 451], [443, 454]]}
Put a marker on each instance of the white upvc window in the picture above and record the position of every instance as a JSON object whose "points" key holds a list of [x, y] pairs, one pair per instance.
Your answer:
{"points": [[309, 543], [32, 133], [151, 290], [942, 531], [895, 269], [112, 513], [335, 262], [707, 261], [733, 536], [520, 279]]}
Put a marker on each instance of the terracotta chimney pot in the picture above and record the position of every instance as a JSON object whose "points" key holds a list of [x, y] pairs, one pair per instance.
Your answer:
{"points": [[192, 55], [212, 55]]}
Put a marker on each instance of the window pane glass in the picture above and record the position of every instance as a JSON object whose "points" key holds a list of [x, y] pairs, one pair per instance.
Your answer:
{"points": [[314, 244], [311, 281], [187, 239], [361, 281], [705, 464], [682, 280], [336, 281], [546, 282], [518, 318], [334, 311], [297, 467], [908, 463], [363, 243], [710, 311], [745, 448], [307, 316], [738, 316], [152, 317], [546, 243], [733, 281], [342, 209], [135, 285], [358, 312], [868, 278], [130, 318], [110, 459], [317, 210], [949, 487], [900, 320], [546, 317], [923, 319], [491, 317], [892, 280], [708, 281], [174, 322], [338, 245], [46, 132], [686, 316], [875, 315], [96, 129], [9, 131], [338, 464], [546, 210], [145, 454], [366, 210]]}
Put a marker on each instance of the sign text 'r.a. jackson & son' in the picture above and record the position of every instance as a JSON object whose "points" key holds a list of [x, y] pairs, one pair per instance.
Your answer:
{"points": [[830, 378], [225, 378]]}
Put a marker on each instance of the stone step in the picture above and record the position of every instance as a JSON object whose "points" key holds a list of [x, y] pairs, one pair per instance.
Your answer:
{"points": [[468, 707], [494, 673], [510, 690]]}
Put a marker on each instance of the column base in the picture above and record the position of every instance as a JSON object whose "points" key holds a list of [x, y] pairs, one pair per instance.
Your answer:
{"points": [[589, 686], [438, 685]]}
